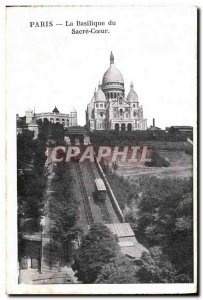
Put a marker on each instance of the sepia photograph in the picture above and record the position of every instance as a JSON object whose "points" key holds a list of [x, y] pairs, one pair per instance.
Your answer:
{"points": [[101, 109]]}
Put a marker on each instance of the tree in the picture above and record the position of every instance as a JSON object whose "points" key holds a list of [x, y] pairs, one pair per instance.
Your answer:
{"points": [[31, 181], [121, 270], [99, 247], [165, 219], [25, 149], [63, 208], [155, 267], [75, 232]]}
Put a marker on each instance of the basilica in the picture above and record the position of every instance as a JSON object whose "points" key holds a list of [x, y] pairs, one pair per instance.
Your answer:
{"points": [[110, 109]]}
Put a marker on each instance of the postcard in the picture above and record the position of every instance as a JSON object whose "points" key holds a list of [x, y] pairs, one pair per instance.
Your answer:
{"points": [[101, 129]]}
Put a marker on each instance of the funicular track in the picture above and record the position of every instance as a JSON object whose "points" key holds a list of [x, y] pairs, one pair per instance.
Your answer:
{"points": [[85, 196], [102, 205]]}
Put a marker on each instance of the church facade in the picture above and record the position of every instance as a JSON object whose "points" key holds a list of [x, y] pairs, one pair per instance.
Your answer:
{"points": [[110, 109]]}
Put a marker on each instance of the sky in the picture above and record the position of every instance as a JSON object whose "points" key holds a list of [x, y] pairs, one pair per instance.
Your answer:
{"points": [[154, 47]]}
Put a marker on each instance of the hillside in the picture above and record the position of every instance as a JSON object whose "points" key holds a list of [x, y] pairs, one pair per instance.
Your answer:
{"points": [[177, 154]]}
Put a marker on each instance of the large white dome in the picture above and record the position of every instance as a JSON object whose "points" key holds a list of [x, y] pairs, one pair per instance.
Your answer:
{"points": [[112, 75]]}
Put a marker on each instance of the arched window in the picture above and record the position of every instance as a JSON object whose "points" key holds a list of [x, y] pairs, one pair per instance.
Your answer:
{"points": [[129, 127], [121, 112], [52, 120], [122, 127], [114, 95], [111, 95], [117, 127], [126, 115]]}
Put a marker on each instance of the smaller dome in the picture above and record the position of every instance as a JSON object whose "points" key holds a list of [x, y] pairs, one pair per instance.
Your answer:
{"points": [[132, 96], [99, 96]]}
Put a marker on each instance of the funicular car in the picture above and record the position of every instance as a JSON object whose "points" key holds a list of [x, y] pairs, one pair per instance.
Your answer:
{"points": [[100, 189]]}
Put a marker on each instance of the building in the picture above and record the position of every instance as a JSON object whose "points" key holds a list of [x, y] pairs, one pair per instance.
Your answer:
{"points": [[127, 241], [54, 117], [29, 121], [153, 126], [180, 129], [110, 109], [77, 135], [22, 125]]}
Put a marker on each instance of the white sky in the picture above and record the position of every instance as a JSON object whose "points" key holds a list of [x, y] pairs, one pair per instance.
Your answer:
{"points": [[153, 47]]}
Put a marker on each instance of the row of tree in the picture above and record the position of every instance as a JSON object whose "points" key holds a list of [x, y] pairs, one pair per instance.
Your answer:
{"points": [[31, 175], [51, 131], [31, 179], [63, 209], [113, 137]]}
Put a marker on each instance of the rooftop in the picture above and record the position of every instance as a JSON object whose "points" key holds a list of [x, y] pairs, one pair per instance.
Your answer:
{"points": [[127, 241], [121, 229], [55, 110], [100, 184]]}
